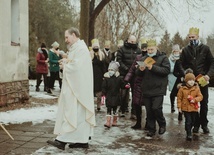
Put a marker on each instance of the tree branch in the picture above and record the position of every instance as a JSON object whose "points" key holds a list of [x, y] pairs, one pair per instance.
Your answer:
{"points": [[149, 13], [98, 9]]}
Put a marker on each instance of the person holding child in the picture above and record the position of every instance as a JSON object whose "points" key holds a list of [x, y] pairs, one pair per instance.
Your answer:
{"points": [[188, 97]]}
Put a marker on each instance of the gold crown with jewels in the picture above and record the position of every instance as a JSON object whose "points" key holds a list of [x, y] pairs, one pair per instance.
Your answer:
{"points": [[194, 30]]}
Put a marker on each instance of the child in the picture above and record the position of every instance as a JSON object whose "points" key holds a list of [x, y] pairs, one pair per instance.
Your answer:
{"points": [[188, 97], [111, 90]]}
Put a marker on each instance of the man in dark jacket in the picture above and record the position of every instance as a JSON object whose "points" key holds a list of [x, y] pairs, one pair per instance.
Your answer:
{"points": [[154, 85], [199, 58], [126, 56]]}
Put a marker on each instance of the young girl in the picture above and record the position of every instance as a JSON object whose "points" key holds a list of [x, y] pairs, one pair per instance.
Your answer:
{"points": [[111, 90], [188, 97]]}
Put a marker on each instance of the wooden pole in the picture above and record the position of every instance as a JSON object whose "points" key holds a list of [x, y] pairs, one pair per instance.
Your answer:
{"points": [[6, 131]]}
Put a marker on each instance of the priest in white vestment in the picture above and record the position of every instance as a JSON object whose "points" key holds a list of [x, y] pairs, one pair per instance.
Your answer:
{"points": [[75, 117]]}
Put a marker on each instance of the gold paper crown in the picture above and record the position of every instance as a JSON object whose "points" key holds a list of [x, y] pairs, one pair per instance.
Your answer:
{"points": [[93, 41], [194, 30], [151, 42], [120, 43], [143, 40], [90, 48], [107, 43]]}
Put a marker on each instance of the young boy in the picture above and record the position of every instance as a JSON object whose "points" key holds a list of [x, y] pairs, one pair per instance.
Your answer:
{"points": [[188, 97]]}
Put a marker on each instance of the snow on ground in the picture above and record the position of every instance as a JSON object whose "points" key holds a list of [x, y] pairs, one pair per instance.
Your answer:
{"points": [[104, 141]]}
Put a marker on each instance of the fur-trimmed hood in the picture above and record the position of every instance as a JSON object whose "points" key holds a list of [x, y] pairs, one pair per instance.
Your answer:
{"points": [[106, 75]]}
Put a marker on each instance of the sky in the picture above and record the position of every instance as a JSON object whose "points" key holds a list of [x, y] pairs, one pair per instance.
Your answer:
{"points": [[180, 16], [103, 139]]}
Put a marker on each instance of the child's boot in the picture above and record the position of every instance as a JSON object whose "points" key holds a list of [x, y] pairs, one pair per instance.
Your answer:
{"points": [[108, 121], [115, 117]]}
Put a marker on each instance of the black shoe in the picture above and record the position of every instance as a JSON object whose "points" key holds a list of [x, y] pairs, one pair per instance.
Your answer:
{"points": [[195, 130], [58, 144], [133, 116], [180, 118], [127, 110], [98, 109], [46, 89], [49, 91], [206, 129], [37, 89], [162, 130], [189, 138], [172, 110], [79, 145], [122, 114], [150, 134], [136, 126]]}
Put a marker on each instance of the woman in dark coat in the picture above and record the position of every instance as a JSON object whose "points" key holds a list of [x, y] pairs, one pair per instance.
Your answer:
{"points": [[137, 92], [98, 70]]}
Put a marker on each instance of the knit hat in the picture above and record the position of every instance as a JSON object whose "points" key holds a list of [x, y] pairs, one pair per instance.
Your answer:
{"points": [[95, 43], [43, 45], [189, 76], [114, 65], [55, 44], [175, 48]]}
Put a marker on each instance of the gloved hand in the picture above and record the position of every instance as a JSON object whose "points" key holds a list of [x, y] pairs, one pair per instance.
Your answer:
{"points": [[127, 86], [191, 99]]}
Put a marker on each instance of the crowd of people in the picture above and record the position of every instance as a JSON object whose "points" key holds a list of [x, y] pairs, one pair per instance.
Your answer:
{"points": [[143, 70]]}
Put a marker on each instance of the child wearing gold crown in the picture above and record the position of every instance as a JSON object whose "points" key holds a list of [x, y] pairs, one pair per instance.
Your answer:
{"points": [[187, 102]]}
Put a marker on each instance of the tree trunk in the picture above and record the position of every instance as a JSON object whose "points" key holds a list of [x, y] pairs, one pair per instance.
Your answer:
{"points": [[84, 20], [93, 15]]}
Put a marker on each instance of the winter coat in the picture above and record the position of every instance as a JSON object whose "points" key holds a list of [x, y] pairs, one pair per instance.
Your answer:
{"points": [[53, 61], [199, 59], [182, 100], [171, 77], [126, 56], [137, 92], [178, 72], [98, 71], [154, 81], [111, 89], [41, 66]]}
